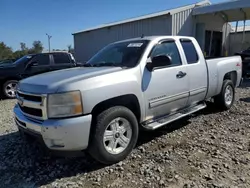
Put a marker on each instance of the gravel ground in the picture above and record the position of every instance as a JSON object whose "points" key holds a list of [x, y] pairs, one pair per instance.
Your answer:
{"points": [[209, 149]]}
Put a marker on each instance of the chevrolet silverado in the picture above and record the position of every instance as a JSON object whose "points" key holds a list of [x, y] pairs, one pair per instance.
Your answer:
{"points": [[145, 82]]}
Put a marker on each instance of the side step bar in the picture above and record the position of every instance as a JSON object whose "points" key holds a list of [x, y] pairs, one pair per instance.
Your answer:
{"points": [[170, 118]]}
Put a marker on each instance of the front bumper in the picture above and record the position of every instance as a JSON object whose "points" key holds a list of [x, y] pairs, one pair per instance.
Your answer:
{"points": [[70, 134]]}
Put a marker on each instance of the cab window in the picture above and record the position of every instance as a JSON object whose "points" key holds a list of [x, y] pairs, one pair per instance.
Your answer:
{"points": [[190, 51], [41, 59]]}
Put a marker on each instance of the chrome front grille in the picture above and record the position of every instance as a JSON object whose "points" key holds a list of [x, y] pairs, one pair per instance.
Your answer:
{"points": [[32, 105]]}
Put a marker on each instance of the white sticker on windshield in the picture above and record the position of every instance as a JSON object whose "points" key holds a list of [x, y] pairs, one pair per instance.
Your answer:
{"points": [[135, 44], [28, 56]]}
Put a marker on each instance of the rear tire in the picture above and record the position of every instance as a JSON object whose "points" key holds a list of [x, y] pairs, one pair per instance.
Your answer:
{"points": [[226, 97], [9, 89], [114, 136]]}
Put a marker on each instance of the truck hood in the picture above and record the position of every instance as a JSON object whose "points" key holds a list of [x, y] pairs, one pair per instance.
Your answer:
{"points": [[51, 81], [7, 71], [7, 65]]}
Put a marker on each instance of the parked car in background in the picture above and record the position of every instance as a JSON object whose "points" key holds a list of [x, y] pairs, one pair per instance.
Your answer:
{"points": [[144, 83], [245, 56], [30, 65]]}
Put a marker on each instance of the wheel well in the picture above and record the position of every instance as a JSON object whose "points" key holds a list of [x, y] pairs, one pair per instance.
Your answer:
{"points": [[231, 76], [2, 82], [7, 79], [130, 101]]}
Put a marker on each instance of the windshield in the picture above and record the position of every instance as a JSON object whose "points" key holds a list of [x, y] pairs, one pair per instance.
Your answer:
{"points": [[23, 59], [123, 54]]}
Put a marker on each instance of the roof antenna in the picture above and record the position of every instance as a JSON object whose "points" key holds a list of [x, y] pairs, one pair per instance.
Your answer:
{"points": [[142, 35]]}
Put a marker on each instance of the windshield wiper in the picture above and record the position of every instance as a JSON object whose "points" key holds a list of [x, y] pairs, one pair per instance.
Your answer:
{"points": [[106, 64]]}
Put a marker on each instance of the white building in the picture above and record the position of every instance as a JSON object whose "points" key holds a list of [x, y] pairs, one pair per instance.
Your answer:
{"points": [[206, 22]]}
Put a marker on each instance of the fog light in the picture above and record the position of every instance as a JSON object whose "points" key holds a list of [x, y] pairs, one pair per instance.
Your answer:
{"points": [[57, 143]]}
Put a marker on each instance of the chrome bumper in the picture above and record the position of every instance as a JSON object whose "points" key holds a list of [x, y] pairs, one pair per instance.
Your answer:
{"points": [[58, 134]]}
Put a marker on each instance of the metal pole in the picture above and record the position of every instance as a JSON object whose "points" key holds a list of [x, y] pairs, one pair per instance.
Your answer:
{"points": [[49, 43], [49, 36], [236, 27], [225, 19], [210, 45], [243, 37], [235, 37], [225, 40]]}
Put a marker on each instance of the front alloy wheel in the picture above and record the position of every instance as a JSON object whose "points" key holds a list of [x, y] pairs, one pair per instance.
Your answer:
{"points": [[117, 136], [114, 135], [9, 89]]}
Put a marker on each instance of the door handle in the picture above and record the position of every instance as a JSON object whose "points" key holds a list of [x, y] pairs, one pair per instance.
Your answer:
{"points": [[181, 74]]}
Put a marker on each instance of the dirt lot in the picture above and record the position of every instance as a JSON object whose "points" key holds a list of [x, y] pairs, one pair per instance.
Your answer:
{"points": [[209, 149]]}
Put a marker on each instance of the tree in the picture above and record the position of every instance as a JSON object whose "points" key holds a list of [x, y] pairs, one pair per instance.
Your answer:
{"points": [[37, 47], [5, 51], [70, 49], [19, 53], [23, 46]]}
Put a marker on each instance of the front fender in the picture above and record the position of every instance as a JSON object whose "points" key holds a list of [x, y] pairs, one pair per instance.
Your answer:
{"points": [[99, 94], [102, 88], [97, 89]]}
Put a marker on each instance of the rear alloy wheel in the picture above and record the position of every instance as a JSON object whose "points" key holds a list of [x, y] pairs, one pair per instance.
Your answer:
{"points": [[225, 99], [228, 95], [114, 135], [9, 89]]}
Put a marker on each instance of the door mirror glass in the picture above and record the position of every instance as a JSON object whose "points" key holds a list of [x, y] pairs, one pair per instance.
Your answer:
{"points": [[34, 64], [159, 61]]}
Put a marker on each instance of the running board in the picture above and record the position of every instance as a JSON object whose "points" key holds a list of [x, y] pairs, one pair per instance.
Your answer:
{"points": [[170, 118]]}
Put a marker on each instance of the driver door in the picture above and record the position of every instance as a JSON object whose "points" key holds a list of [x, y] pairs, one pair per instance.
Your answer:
{"points": [[37, 65], [165, 89]]}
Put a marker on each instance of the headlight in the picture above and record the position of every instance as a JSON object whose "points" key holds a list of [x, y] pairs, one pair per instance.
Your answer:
{"points": [[65, 104]]}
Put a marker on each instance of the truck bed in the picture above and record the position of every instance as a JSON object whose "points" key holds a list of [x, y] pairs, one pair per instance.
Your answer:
{"points": [[217, 68]]}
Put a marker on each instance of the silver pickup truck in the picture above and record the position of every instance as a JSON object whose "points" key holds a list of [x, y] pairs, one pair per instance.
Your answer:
{"points": [[138, 83]]}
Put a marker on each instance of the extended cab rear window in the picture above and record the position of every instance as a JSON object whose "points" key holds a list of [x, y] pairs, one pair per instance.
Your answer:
{"points": [[190, 51], [61, 58]]}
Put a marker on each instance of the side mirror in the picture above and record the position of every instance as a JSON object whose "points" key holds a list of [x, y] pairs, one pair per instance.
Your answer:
{"points": [[159, 61], [32, 64]]}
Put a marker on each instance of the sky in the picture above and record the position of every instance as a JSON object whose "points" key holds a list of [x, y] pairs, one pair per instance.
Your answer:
{"points": [[29, 20]]}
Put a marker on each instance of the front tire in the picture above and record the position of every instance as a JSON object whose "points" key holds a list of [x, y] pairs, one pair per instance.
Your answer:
{"points": [[114, 136], [226, 97], [9, 89]]}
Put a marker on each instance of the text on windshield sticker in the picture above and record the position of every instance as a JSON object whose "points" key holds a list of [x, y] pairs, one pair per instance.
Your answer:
{"points": [[135, 44]]}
